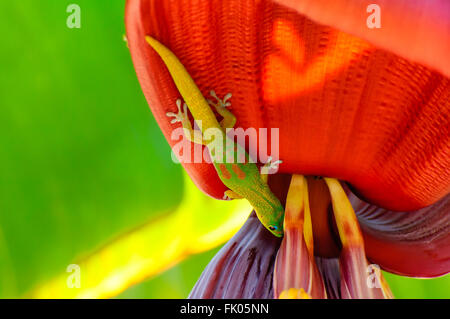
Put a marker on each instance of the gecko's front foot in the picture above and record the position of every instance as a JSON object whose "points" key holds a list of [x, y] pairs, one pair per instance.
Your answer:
{"points": [[220, 103], [269, 166], [229, 120]]}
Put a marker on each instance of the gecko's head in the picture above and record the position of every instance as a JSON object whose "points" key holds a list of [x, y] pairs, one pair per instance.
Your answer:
{"points": [[271, 215], [274, 221], [276, 230]]}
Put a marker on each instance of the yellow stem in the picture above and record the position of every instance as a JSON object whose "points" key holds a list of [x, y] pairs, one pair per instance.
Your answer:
{"points": [[346, 221], [298, 212]]}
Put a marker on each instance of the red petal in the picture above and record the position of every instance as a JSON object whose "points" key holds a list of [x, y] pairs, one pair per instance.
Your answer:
{"points": [[358, 279], [295, 266], [415, 29], [344, 108], [295, 269], [413, 244]]}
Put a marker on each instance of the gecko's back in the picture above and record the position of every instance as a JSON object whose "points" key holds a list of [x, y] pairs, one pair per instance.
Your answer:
{"points": [[241, 176]]}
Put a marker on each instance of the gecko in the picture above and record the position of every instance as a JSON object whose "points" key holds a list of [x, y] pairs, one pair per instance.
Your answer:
{"points": [[242, 178]]}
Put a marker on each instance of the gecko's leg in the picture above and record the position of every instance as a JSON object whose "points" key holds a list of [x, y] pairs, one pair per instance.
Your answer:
{"points": [[268, 167], [182, 117], [229, 194], [229, 120]]}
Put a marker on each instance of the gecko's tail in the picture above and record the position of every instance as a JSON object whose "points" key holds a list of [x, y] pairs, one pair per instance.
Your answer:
{"points": [[190, 92]]}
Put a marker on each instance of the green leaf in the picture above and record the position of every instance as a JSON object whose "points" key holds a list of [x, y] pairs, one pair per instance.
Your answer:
{"points": [[417, 288], [81, 158], [198, 224]]}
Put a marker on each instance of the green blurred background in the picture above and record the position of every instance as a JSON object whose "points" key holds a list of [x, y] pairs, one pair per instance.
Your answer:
{"points": [[82, 160]]}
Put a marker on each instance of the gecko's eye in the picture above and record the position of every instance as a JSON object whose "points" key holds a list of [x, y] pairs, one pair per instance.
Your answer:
{"points": [[273, 228]]}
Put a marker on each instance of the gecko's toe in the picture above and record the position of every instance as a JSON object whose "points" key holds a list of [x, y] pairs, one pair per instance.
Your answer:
{"points": [[221, 103], [227, 97]]}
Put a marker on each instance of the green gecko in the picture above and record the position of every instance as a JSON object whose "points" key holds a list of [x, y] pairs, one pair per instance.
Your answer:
{"points": [[241, 177]]}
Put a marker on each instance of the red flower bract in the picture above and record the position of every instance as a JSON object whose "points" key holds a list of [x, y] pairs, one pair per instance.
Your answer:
{"points": [[344, 108]]}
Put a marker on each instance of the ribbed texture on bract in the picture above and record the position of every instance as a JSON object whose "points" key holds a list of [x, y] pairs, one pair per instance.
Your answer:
{"points": [[345, 108]]}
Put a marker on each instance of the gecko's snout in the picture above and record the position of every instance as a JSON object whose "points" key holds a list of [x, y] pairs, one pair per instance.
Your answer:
{"points": [[275, 230]]}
